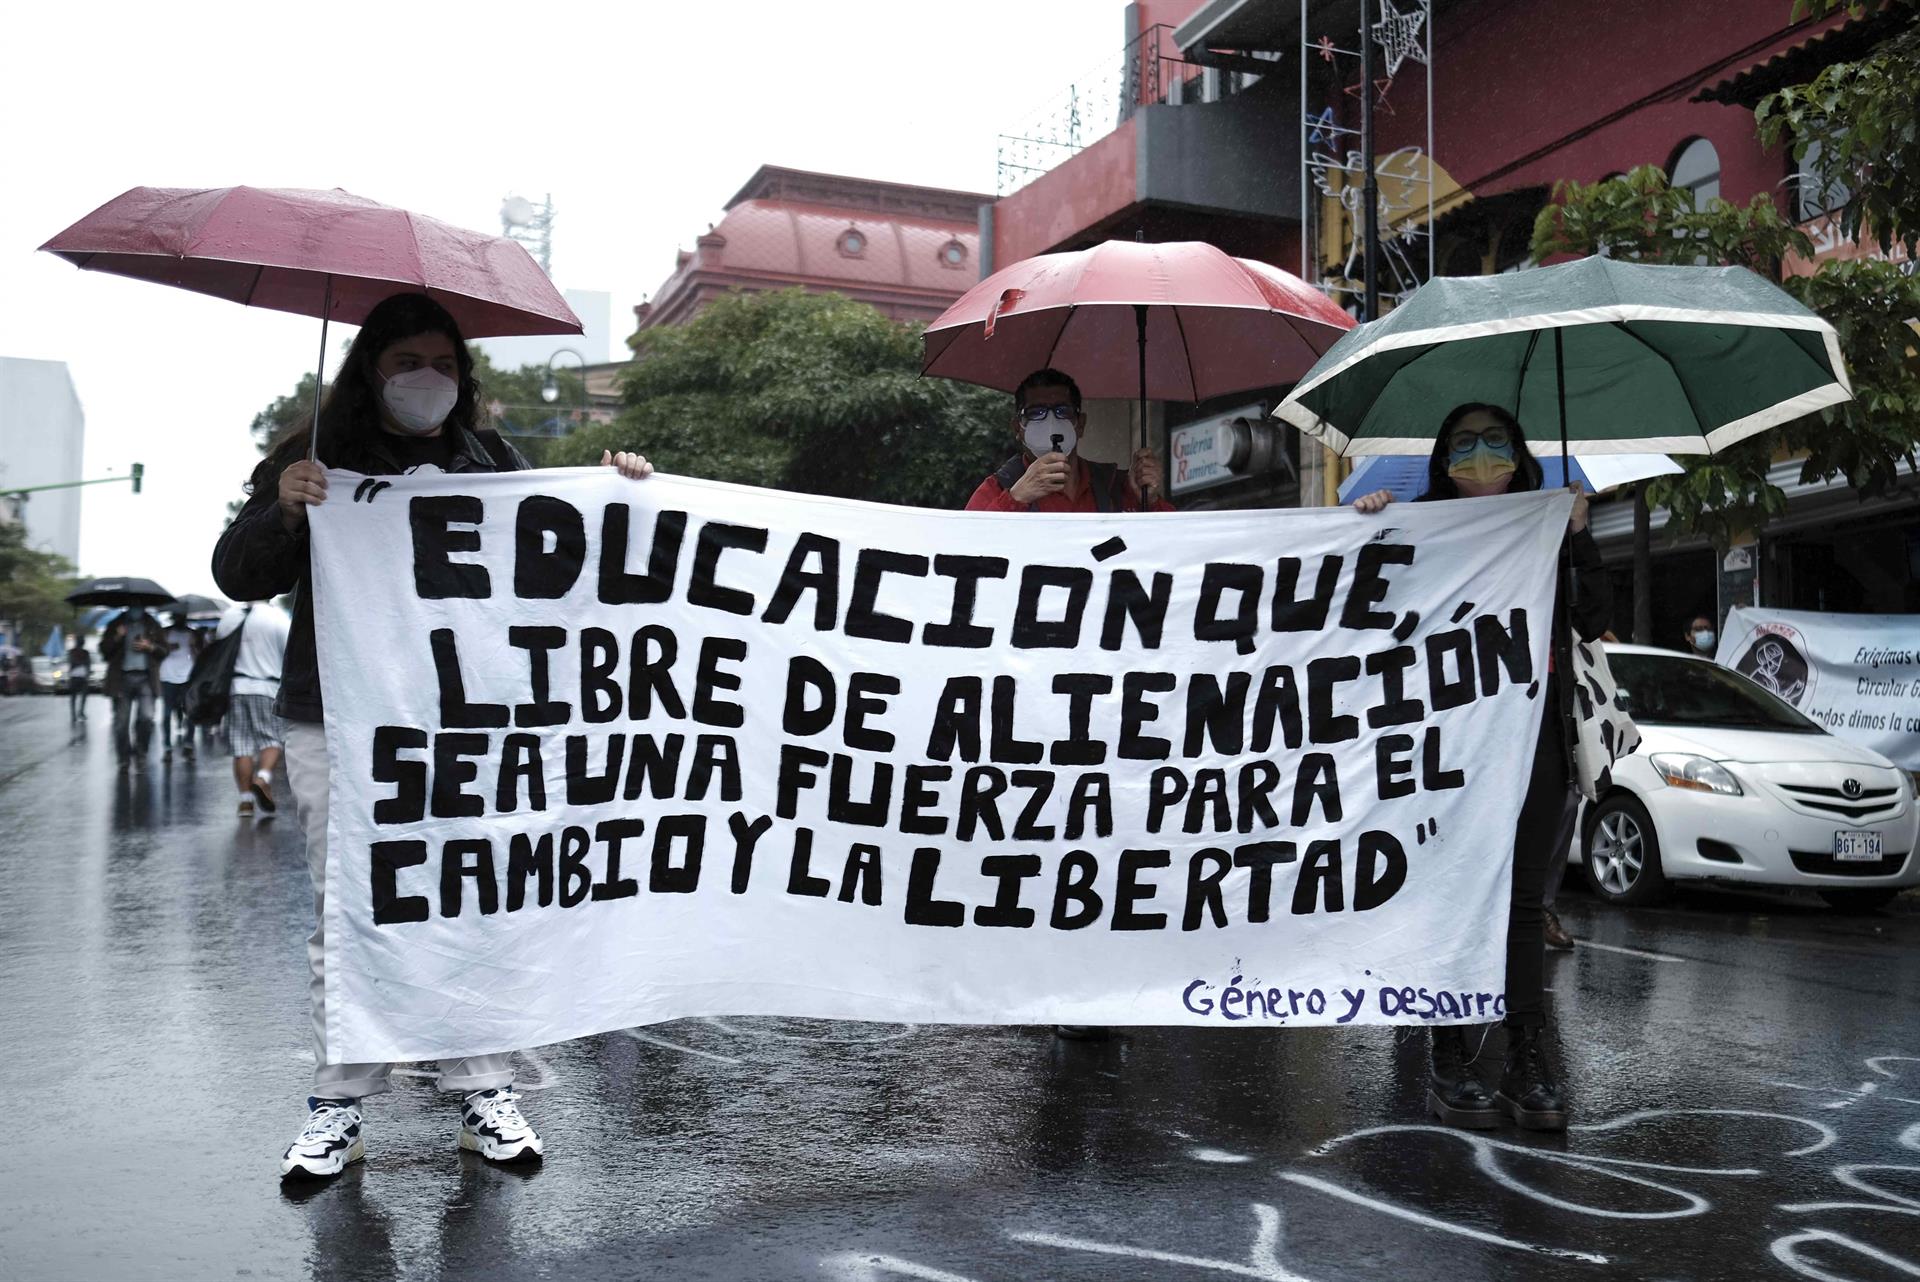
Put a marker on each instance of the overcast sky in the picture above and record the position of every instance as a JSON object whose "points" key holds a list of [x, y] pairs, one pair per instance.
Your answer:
{"points": [[641, 119]]}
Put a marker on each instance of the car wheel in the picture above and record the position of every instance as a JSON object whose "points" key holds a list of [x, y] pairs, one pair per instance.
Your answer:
{"points": [[1851, 900], [1623, 854]]}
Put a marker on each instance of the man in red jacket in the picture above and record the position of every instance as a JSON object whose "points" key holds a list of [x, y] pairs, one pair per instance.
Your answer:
{"points": [[1048, 474]]}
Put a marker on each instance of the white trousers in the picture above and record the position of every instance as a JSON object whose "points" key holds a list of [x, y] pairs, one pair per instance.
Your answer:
{"points": [[307, 772]]}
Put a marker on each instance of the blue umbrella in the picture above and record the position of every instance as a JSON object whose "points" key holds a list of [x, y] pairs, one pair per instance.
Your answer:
{"points": [[1405, 475], [56, 646]]}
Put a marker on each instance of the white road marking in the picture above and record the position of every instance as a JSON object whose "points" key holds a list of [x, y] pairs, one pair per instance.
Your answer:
{"points": [[856, 1266], [1263, 1261], [1217, 1155], [904, 1031], [1629, 952], [1828, 1136], [1787, 1251], [651, 1040], [1418, 1217], [547, 1080]]}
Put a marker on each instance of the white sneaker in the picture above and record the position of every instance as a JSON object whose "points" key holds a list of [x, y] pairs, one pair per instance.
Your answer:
{"points": [[491, 1125], [327, 1144]]}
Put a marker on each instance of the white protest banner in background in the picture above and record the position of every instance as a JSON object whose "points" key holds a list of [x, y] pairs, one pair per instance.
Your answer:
{"points": [[609, 753], [1856, 674]]}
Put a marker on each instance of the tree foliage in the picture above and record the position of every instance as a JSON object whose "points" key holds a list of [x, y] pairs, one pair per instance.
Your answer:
{"points": [[511, 397], [1861, 122], [1641, 216], [809, 392], [33, 587]]}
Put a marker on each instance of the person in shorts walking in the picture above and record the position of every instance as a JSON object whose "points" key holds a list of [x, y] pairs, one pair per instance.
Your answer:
{"points": [[253, 727]]}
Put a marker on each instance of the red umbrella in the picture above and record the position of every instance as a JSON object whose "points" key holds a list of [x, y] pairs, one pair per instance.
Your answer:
{"points": [[1176, 321], [328, 254]]}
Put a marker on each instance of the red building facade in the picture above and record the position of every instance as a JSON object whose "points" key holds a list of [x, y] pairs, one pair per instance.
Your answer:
{"points": [[1208, 143], [909, 251]]}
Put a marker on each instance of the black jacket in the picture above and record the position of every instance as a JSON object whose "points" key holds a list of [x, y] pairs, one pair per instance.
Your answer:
{"points": [[257, 559]]}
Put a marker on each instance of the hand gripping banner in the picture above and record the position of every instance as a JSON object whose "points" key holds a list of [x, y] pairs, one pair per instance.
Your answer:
{"points": [[607, 753]]}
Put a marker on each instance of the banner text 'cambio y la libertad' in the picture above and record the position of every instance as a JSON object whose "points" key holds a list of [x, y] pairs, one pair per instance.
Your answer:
{"points": [[608, 753]]}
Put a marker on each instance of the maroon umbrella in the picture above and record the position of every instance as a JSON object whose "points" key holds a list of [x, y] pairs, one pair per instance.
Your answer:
{"points": [[1176, 321], [328, 254]]}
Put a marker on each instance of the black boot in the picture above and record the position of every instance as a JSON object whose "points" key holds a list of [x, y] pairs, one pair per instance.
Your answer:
{"points": [[1527, 1092], [1454, 1094]]}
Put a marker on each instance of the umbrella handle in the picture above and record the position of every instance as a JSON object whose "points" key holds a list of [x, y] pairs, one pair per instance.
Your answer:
{"points": [[320, 374]]}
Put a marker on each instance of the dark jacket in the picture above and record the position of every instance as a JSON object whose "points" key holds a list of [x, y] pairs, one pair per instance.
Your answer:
{"points": [[257, 558], [113, 650]]}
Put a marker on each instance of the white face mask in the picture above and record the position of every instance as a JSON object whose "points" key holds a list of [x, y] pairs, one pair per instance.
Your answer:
{"points": [[420, 399], [1039, 436]]}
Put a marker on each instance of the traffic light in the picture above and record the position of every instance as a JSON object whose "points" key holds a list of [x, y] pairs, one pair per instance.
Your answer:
{"points": [[139, 470]]}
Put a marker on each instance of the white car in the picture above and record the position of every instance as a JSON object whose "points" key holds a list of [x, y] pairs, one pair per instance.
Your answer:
{"points": [[1732, 784]]}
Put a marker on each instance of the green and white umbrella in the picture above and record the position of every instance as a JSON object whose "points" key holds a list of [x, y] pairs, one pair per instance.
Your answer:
{"points": [[1608, 357]]}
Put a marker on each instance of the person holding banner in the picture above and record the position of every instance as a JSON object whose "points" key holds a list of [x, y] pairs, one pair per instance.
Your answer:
{"points": [[405, 399], [1049, 474], [1481, 450]]}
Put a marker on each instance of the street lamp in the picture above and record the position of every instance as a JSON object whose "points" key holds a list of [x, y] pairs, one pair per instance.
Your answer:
{"points": [[550, 389]]}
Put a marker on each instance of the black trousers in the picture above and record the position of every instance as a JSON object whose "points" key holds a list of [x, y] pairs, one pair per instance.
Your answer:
{"points": [[1542, 822]]}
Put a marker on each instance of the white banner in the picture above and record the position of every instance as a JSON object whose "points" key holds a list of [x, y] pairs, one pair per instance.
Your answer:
{"points": [[1856, 674], [607, 753]]}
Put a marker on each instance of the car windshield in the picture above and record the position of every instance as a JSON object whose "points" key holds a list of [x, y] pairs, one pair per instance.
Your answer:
{"points": [[1690, 692]]}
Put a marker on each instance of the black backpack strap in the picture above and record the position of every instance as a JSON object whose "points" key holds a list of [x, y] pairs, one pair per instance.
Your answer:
{"points": [[1104, 478], [1011, 471], [497, 449]]}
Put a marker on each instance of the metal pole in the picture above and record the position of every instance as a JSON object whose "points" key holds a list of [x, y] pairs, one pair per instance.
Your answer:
{"points": [[320, 373], [1304, 273], [1370, 192], [1430, 161], [1563, 617]]}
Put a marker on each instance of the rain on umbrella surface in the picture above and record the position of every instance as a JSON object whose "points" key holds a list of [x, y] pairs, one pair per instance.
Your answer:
{"points": [[121, 592], [328, 254], [1405, 475], [1180, 321], [1596, 356]]}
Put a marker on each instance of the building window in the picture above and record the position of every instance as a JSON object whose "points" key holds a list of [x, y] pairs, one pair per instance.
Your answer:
{"points": [[953, 254], [1809, 199], [853, 242], [1697, 169]]}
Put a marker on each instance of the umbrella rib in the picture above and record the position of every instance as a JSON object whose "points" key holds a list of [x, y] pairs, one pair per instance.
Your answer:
{"points": [[1520, 383], [1186, 352], [1681, 382], [258, 272], [1058, 334]]}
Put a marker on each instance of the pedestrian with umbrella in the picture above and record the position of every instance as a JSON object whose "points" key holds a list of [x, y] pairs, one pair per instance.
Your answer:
{"points": [[132, 648], [405, 398], [1176, 321], [1612, 358]]}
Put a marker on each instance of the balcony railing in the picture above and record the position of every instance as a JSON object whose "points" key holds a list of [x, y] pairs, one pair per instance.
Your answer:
{"points": [[1094, 105]]}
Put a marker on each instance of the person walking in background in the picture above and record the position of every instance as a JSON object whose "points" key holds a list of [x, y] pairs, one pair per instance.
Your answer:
{"points": [[1481, 450], [132, 649], [182, 645], [79, 673], [253, 727], [405, 399]]}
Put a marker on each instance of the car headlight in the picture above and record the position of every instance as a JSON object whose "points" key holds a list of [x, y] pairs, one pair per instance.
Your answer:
{"points": [[1698, 774]]}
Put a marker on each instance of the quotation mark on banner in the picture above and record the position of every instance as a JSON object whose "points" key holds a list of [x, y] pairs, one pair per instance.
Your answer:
{"points": [[370, 488]]}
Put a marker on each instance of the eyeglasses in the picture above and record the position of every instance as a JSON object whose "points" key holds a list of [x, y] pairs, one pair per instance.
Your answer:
{"points": [[1495, 437], [1040, 413]]}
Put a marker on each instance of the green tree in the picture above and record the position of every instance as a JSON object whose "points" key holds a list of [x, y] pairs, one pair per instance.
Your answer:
{"points": [[1865, 441], [1860, 121], [33, 587], [509, 399], [814, 393]]}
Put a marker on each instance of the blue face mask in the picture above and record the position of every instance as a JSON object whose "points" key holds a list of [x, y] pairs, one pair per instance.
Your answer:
{"points": [[1481, 462], [1703, 640]]}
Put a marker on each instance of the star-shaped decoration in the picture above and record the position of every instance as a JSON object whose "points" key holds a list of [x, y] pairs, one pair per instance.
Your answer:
{"points": [[1380, 99], [1320, 124], [1399, 35], [1326, 48]]}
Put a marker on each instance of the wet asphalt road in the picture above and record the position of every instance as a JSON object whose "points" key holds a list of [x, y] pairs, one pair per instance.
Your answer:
{"points": [[1745, 1072]]}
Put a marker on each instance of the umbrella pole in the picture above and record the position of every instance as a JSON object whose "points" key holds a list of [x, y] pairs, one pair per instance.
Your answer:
{"points": [[320, 374], [1563, 617], [1140, 323]]}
